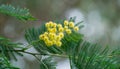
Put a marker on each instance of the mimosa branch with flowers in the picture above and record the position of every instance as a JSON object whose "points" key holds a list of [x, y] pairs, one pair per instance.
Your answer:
{"points": [[55, 32], [56, 39]]}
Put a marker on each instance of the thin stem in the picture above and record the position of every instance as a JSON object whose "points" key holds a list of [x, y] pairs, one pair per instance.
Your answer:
{"points": [[56, 55], [50, 54], [35, 55], [27, 47]]}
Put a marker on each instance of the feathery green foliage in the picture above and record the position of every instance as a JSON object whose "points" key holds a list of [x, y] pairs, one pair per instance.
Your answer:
{"points": [[5, 64], [19, 13], [91, 56], [7, 48], [47, 63]]}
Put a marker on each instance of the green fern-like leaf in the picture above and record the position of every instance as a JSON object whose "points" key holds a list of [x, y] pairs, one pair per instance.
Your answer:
{"points": [[5, 64], [7, 48], [47, 63], [22, 14], [92, 56]]}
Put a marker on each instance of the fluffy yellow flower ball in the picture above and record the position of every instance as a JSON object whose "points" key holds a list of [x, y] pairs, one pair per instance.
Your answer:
{"points": [[46, 33], [65, 27], [47, 25], [60, 29], [58, 38], [54, 30], [51, 23], [68, 31], [76, 28], [54, 41], [66, 22], [61, 35], [71, 24], [41, 37], [54, 25], [58, 43], [59, 25], [49, 43], [45, 38]]}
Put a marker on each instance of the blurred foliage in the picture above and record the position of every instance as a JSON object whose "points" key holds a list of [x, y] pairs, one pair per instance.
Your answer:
{"points": [[7, 48], [47, 63], [92, 56], [5, 64], [22, 14]]}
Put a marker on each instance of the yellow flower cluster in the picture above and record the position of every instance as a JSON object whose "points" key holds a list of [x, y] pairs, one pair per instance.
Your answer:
{"points": [[55, 32]]}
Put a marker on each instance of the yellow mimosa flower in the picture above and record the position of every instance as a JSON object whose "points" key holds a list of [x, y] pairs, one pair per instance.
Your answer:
{"points": [[61, 35], [65, 22], [61, 29], [65, 27], [54, 30], [51, 23], [58, 43], [49, 43], [50, 30], [54, 25], [76, 28], [58, 38], [59, 25], [46, 33], [68, 31], [41, 37], [52, 36], [71, 24], [54, 41], [47, 25], [45, 38]]}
